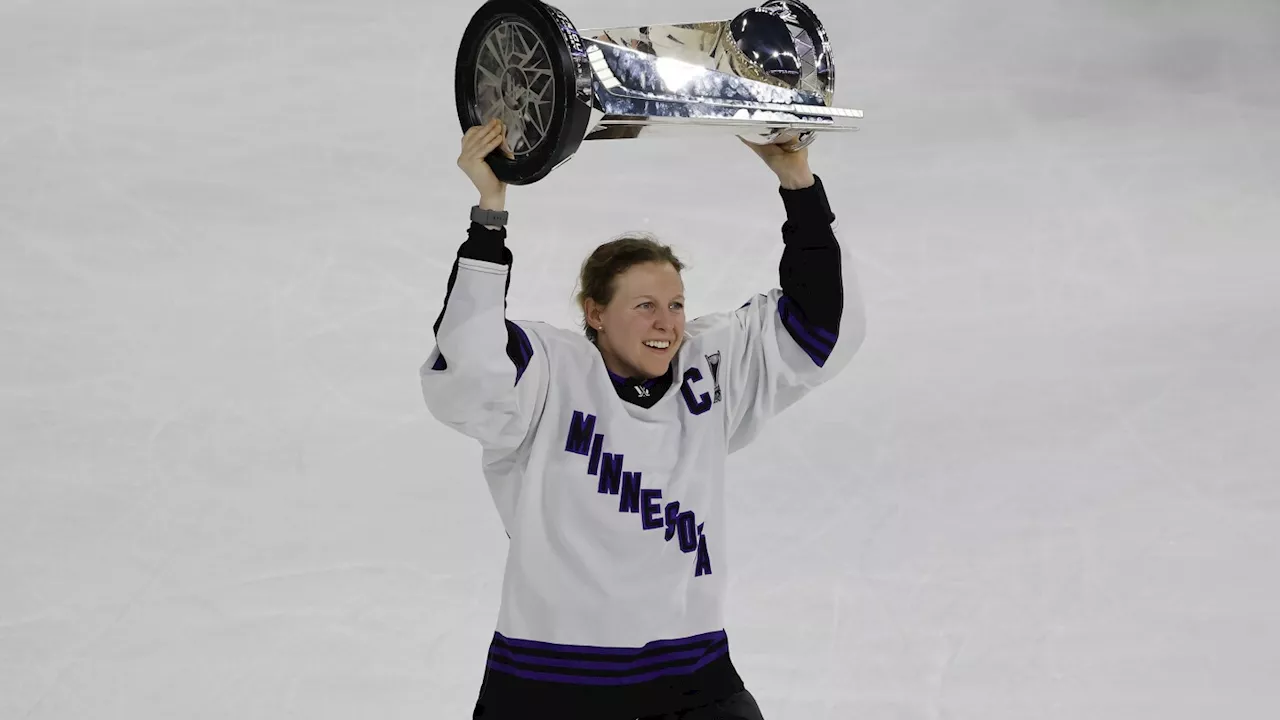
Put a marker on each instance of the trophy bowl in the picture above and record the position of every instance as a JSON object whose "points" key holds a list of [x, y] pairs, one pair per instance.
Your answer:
{"points": [[767, 75]]}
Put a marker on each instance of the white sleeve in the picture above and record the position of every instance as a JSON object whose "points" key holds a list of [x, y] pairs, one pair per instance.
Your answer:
{"points": [[772, 358], [487, 376]]}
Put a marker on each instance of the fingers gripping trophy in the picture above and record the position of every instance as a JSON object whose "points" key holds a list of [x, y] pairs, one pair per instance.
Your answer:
{"points": [[530, 87]]}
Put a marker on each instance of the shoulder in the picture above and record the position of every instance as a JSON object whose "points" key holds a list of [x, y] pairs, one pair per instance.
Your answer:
{"points": [[717, 324], [556, 341]]}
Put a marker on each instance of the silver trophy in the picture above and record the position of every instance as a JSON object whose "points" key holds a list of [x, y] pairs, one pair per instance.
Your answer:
{"points": [[766, 75]]}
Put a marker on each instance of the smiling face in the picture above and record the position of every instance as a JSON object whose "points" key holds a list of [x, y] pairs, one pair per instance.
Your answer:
{"points": [[647, 306]]}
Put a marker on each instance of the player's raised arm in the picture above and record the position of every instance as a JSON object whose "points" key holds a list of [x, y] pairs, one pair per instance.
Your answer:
{"points": [[820, 300], [487, 374], [783, 343]]}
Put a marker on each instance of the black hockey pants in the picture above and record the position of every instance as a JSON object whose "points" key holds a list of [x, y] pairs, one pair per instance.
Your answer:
{"points": [[740, 706]]}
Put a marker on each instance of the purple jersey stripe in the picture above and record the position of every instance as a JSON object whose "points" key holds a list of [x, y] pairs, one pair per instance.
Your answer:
{"points": [[619, 664], [590, 680], [705, 639], [519, 349], [818, 350], [794, 317]]}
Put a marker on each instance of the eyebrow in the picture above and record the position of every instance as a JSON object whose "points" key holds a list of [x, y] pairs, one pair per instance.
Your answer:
{"points": [[677, 297]]}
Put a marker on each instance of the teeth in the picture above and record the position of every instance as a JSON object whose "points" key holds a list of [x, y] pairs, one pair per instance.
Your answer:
{"points": [[661, 345]]}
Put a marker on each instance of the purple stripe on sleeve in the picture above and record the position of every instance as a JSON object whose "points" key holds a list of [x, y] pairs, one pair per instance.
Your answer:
{"points": [[816, 349], [522, 352], [794, 317]]}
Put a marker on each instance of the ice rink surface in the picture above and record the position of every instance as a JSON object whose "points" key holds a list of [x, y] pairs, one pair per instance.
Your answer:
{"points": [[1048, 487]]}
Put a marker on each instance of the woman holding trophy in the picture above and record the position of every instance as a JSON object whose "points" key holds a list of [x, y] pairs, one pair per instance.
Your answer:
{"points": [[604, 448]]}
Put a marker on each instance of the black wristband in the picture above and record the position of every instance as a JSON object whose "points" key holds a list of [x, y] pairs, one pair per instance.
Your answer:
{"points": [[497, 218]]}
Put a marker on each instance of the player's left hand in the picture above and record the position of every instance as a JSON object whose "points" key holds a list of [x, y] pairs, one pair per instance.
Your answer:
{"points": [[789, 163]]}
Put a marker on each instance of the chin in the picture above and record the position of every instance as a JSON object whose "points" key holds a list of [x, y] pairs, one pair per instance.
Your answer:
{"points": [[657, 369], [643, 370]]}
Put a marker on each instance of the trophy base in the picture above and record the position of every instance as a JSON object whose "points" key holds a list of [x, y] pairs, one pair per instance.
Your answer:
{"points": [[522, 61]]}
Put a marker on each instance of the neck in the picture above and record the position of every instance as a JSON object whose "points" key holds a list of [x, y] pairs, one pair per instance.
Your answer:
{"points": [[615, 367]]}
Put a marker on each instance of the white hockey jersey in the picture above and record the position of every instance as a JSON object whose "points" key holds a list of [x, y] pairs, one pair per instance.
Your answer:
{"points": [[615, 577]]}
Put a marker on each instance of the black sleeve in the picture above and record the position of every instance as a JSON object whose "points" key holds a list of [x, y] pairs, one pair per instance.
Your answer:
{"points": [[486, 244], [809, 272], [490, 246], [482, 244]]}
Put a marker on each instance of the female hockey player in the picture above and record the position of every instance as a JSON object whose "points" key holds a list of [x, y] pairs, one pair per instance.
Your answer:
{"points": [[605, 454]]}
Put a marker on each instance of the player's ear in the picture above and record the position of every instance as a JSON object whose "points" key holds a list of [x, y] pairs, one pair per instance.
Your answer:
{"points": [[592, 311]]}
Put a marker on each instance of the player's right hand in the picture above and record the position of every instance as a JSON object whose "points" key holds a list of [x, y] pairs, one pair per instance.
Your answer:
{"points": [[477, 143]]}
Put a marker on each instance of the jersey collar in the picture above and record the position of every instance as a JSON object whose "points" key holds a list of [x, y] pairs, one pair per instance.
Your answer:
{"points": [[642, 391]]}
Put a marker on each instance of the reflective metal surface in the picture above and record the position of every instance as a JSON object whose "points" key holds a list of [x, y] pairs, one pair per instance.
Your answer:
{"points": [[777, 39], [634, 88], [767, 75]]}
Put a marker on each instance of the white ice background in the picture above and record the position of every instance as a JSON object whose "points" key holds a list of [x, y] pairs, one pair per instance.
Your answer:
{"points": [[1048, 487]]}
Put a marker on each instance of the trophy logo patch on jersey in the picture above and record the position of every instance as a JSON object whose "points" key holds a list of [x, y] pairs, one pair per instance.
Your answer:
{"points": [[713, 361]]}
